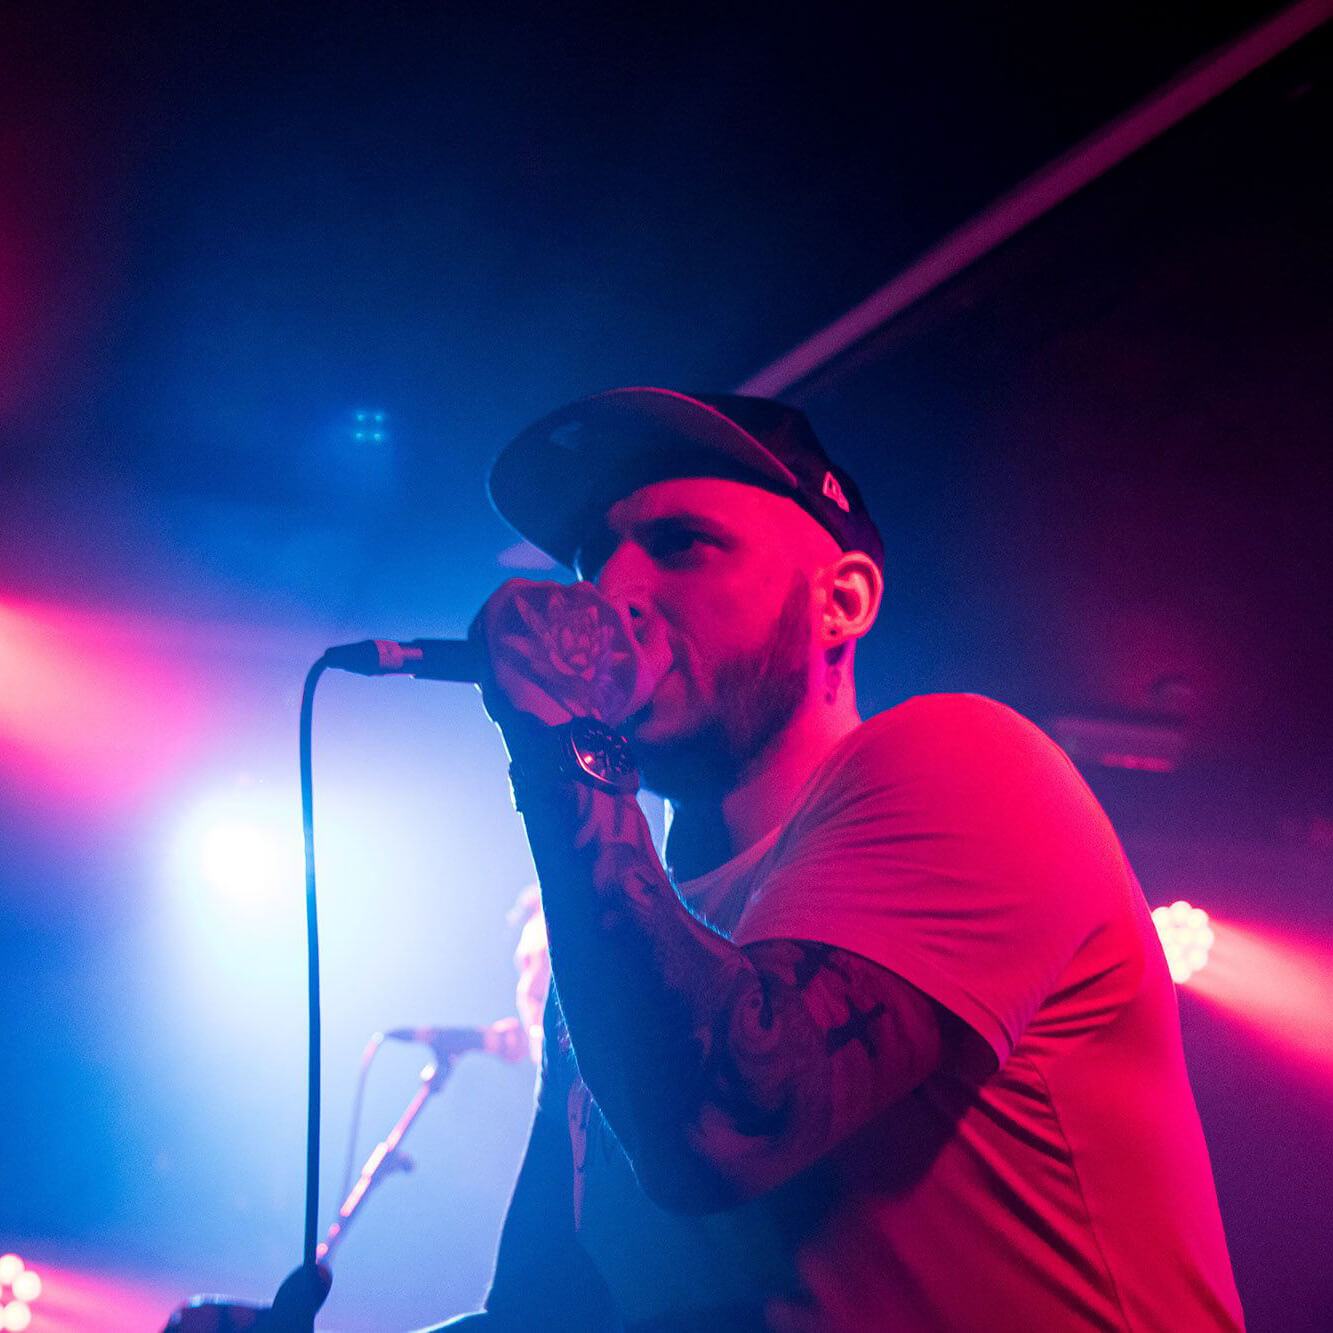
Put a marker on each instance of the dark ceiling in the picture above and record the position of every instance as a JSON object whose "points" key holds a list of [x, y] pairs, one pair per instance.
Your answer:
{"points": [[1101, 454]]}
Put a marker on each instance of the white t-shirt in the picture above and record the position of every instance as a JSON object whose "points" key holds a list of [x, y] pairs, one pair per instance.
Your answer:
{"points": [[953, 843]]}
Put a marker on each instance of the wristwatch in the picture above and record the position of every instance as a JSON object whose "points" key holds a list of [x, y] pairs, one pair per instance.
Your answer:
{"points": [[580, 750]]}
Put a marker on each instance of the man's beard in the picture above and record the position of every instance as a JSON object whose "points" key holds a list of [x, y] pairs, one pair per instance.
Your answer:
{"points": [[756, 695]]}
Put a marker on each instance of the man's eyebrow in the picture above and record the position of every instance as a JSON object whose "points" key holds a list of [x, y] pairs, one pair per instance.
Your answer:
{"points": [[597, 547], [713, 522]]}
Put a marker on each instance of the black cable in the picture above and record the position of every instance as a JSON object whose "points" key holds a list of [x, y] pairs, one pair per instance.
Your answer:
{"points": [[312, 965]]}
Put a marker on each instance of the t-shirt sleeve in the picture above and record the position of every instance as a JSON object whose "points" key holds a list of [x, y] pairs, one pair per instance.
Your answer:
{"points": [[953, 843]]}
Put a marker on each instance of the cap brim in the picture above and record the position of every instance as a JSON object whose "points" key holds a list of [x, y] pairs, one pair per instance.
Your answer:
{"points": [[553, 480]]}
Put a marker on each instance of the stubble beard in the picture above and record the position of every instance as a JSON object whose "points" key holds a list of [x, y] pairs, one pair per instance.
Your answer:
{"points": [[755, 697]]}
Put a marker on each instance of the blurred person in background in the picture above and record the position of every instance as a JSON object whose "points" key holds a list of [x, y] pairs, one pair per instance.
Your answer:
{"points": [[532, 962]]}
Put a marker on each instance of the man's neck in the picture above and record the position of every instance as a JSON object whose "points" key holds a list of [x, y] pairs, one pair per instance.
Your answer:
{"points": [[704, 834]]}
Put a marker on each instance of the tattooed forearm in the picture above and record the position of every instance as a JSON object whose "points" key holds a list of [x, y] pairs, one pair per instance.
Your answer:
{"points": [[723, 1070]]}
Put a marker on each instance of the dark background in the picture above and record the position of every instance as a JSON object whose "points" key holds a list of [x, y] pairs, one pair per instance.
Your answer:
{"points": [[1100, 458]]}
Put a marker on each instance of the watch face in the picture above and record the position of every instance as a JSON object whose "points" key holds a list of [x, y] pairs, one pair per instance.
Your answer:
{"points": [[604, 755]]}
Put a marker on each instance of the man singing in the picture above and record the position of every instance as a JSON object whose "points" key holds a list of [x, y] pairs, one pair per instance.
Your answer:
{"points": [[889, 1042]]}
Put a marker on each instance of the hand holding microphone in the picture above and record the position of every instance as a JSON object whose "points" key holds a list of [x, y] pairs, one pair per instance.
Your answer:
{"points": [[559, 651], [553, 651]]}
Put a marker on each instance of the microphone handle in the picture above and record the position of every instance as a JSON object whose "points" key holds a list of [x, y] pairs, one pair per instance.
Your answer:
{"points": [[427, 659], [446, 659]]}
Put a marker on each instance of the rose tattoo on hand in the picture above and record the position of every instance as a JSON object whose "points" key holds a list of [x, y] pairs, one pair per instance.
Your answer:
{"points": [[565, 640]]}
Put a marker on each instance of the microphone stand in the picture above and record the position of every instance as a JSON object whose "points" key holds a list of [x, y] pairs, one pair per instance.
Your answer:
{"points": [[303, 1292], [386, 1157]]}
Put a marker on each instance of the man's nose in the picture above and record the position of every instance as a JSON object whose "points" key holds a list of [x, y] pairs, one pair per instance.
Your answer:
{"points": [[624, 582]]}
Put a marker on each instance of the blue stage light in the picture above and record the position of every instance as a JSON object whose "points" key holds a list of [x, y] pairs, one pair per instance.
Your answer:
{"points": [[370, 426]]}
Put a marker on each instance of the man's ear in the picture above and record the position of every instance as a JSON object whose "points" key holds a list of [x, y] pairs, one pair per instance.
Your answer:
{"points": [[854, 588]]}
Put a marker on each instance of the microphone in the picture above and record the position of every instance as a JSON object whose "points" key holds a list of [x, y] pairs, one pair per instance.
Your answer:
{"points": [[505, 1039], [427, 659]]}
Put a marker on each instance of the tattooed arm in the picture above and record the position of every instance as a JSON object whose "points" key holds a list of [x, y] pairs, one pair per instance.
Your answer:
{"points": [[723, 1070]]}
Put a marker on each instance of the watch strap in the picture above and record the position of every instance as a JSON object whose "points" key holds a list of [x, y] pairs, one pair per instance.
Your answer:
{"points": [[543, 757]]}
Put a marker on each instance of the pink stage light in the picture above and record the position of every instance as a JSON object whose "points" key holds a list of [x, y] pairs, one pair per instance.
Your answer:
{"points": [[1187, 938], [89, 705], [15, 1316], [79, 1300], [19, 1287], [27, 1286], [1279, 986]]}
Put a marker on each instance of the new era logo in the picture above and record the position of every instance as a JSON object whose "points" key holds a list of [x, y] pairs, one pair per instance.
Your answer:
{"points": [[834, 493]]}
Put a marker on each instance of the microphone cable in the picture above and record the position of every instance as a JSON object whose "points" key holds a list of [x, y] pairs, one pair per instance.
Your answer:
{"points": [[312, 973], [353, 1133]]}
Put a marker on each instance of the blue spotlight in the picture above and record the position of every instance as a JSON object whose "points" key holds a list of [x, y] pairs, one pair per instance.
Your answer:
{"points": [[369, 426]]}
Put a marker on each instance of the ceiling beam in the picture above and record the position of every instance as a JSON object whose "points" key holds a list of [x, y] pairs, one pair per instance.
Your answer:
{"points": [[1039, 193]]}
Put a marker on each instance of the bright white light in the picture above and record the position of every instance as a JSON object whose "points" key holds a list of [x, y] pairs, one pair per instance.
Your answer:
{"points": [[1186, 938], [241, 847], [27, 1286], [10, 1267], [15, 1317], [238, 859]]}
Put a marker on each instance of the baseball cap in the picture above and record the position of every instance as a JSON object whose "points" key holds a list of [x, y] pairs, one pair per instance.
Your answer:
{"points": [[553, 482]]}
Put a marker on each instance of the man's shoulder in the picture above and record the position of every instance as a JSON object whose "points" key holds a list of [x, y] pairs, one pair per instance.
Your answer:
{"points": [[943, 709], [951, 723], [964, 747]]}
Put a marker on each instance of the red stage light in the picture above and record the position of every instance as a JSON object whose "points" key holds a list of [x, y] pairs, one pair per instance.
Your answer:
{"points": [[89, 704], [15, 1316], [27, 1286], [1187, 938], [86, 1300], [1278, 984], [19, 1287]]}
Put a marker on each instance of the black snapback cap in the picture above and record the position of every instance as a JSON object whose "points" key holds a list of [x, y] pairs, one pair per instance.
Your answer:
{"points": [[553, 482]]}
